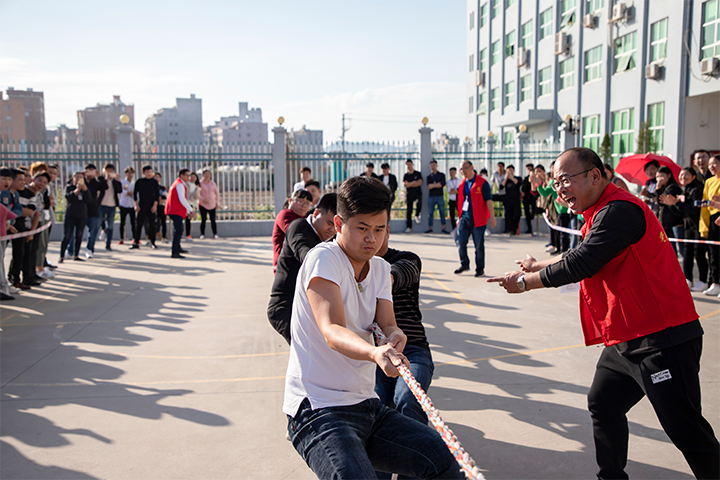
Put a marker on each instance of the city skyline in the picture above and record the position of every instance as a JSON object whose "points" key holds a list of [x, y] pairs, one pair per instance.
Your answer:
{"points": [[385, 65]]}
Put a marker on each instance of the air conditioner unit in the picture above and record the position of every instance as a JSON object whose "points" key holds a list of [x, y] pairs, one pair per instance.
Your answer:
{"points": [[653, 71], [589, 21], [618, 13], [561, 43], [523, 57], [479, 78], [710, 66]]}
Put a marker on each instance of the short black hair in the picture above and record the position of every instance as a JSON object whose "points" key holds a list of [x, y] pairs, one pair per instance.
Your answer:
{"points": [[588, 159], [483, 171], [109, 165], [361, 196], [90, 166], [55, 166], [700, 151], [409, 161], [302, 193], [530, 165], [328, 203], [157, 173], [312, 182], [206, 171], [305, 169], [690, 170], [183, 171], [42, 174], [452, 169], [146, 168], [6, 172], [385, 165], [370, 164], [501, 163], [469, 162], [654, 163], [511, 166], [433, 161], [539, 165], [667, 171], [129, 169]]}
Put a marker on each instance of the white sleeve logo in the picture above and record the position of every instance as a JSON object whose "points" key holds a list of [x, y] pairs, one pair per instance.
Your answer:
{"points": [[660, 376]]}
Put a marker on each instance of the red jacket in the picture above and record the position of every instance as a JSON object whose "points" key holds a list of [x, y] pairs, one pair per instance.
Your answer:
{"points": [[479, 204], [283, 219], [640, 291], [173, 205]]}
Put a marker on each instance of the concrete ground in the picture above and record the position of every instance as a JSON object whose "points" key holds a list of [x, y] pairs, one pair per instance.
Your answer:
{"points": [[135, 365]]}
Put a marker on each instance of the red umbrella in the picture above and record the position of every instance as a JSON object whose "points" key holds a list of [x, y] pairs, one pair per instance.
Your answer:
{"points": [[633, 167]]}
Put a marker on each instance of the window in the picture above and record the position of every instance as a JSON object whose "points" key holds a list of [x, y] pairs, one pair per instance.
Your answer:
{"points": [[495, 8], [593, 64], [27, 114], [525, 88], [510, 44], [594, 5], [482, 103], [495, 99], [471, 105], [509, 139], [625, 52], [527, 34], [623, 133], [472, 62], [7, 107], [509, 3], [567, 73], [544, 82], [9, 119], [546, 22], [509, 94], [656, 124], [658, 40], [483, 59], [591, 132], [711, 29], [472, 20], [568, 13], [495, 53], [483, 15]]}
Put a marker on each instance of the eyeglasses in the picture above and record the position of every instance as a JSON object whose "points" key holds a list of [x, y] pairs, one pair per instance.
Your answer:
{"points": [[303, 203], [565, 181]]}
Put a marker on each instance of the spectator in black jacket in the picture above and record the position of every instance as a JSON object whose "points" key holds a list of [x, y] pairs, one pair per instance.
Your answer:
{"points": [[389, 179], [110, 188], [529, 198], [146, 195], [76, 196], [669, 217], [512, 200], [692, 190], [93, 206], [405, 268], [301, 236], [369, 167]]}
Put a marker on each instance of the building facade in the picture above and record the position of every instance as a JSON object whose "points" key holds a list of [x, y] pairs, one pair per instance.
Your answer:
{"points": [[22, 116], [179, 125], [245, 128], [573, 70], [98, 124]]}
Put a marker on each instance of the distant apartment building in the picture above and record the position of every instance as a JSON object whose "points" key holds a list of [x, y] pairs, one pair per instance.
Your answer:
{"points": [[179, 125], [245, 128], [573, 70], [98, 124], [446, 144], [305, 140], [22, 116]]}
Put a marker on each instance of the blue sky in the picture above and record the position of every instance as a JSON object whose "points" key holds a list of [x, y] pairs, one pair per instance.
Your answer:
{"points": [[384, 63]]}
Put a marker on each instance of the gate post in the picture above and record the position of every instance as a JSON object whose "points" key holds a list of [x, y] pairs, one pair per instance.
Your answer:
{"points": [[279, 158], [489, 148], [425, 156], [124, 144]]}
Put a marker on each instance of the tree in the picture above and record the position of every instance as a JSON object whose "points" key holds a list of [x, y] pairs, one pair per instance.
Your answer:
{"points": [[605, 151], [645, 141]]}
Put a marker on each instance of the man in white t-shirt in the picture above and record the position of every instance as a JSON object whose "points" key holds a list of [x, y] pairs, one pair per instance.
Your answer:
{"points": [[335, 420], [452, 187], [305, 174]]}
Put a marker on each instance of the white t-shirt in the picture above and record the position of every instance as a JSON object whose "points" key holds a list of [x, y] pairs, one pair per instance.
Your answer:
{"points": [[497, 179], [126, 197], [452, 183], [315, 371], [298, 186]]}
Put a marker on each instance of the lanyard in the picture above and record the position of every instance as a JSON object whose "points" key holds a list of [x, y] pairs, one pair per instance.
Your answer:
{"points": [[468, 186]]}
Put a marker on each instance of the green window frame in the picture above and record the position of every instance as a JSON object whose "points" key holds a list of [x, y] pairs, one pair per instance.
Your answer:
{"points": [[567, 15], [567, 73], [527, 34], [509, 94], [483, 59], [710, 43], [546, 23], [525, 88], [509, 139], [483, 14], [591, 132], [592, 6], [495, 98], [626, 53], [623, 133], [495, 58], [656, 124], [510, 44], [658, 40], [495, 8], [593, 64], [509, 3], [482, 103], [544, 82]]}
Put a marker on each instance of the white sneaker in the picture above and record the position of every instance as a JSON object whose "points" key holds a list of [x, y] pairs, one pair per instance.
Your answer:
{"points": [[699, 287], [216, 236], [418, 219], [88, 254], [43, 274], [202, 237], [408, 230], [47, 273], [13, 290], [188, 238], [714, 290], [689, 283], [101, 235], [550, 248]]}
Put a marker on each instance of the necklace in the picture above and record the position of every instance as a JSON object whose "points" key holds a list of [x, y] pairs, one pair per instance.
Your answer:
{"points": [[363, 273]]}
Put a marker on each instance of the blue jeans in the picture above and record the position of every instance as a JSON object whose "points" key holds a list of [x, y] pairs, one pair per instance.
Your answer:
{"points": [[466, 227], [177, 233], [93, 225], [108, 214], [438, 200], [394, 392], [574, 239], [351, 442], [678, 232]]}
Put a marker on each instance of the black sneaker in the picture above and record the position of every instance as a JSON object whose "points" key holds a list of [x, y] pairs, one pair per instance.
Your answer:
{"points": [[182, 250], [176, 255], [461, 269], [135, 246], [445, 232], [108, 248], [153, 246], [4, 296], [480, 273], [78, 259], [429, 231]]}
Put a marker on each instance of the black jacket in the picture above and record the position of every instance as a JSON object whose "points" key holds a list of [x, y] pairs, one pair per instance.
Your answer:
{"points": [[669, 216], [300, 238], [76, 204], [92, 200], [117, 187], [690, 213], [392, 180]]}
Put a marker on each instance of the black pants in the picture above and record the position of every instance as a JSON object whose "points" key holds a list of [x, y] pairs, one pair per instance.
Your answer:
{"points": [[564, 221], [177, 233], [187, 226], [529, 207], [412, 198], [714, 250], [203, 219], [621, 382], [279, 313], [18, 253], [30, 257], [143, 215], [124, 212], [161, 221], [76, 225], [452, 206], [512, 216]]}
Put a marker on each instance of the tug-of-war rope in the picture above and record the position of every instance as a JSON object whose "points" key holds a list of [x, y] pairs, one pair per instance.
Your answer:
{"points": [[467, 464], [578, 233], [26, 234]]}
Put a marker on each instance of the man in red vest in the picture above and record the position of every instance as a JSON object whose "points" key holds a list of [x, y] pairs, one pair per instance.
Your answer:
{"points": [[475, 211], [634, 299], [177, 208]]}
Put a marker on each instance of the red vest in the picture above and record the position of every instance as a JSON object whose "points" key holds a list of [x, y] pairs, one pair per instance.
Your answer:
{"points": [[173, 205], [479, 205], [640, 291]]}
